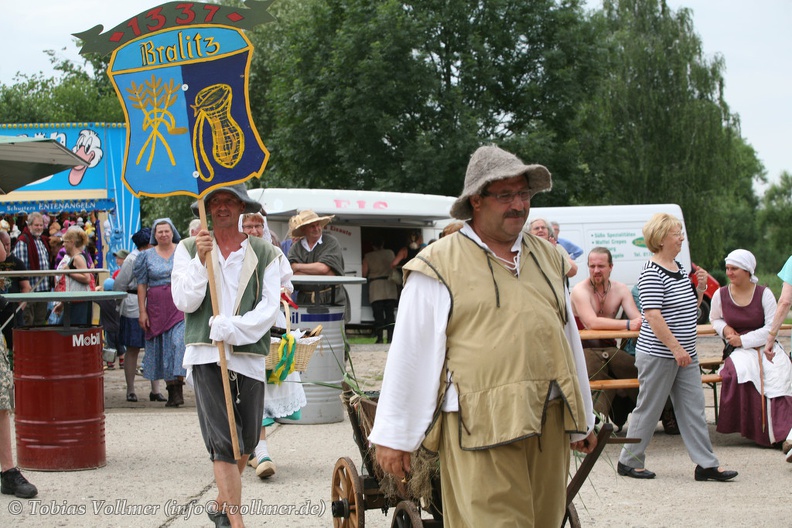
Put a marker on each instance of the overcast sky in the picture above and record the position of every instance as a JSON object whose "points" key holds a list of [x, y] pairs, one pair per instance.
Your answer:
{"points": [[754, 38]]}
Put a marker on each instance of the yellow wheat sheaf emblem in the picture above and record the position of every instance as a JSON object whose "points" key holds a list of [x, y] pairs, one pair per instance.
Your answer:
{"points": [[153, 98], [213, 108]]}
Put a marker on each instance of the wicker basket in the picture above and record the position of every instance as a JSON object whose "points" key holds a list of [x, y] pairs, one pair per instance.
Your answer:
{"points": [[303, 350]]}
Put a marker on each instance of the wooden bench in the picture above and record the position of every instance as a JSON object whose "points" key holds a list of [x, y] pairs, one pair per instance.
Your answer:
{"points": [[710, 379], [613, 384]]}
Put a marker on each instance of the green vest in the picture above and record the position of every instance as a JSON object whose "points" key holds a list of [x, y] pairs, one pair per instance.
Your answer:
{"points": [[505, 339], [258, 256]]}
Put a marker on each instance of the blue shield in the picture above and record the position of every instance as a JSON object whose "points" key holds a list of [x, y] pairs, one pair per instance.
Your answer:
{"points": [[184, 93]]}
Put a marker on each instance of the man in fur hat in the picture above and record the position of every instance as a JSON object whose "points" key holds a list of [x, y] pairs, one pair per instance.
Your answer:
{"points": [[486, 366], [317, 253]]}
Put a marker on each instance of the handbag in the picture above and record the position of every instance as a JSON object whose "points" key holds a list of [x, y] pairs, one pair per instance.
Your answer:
{"points": [[61, 284], [396, 277]]}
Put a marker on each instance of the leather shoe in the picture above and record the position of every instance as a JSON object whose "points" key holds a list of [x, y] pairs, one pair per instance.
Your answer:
{"points": [[627, 471], [132, 397], [704, 474], [219, 519], [157, 397]]}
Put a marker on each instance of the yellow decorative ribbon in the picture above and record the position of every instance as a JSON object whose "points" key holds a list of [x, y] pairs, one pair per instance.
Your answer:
{"points": [[285, 365]]}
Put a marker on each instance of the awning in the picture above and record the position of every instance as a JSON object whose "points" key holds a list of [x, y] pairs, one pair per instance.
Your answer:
{"points": [[24, 160]]}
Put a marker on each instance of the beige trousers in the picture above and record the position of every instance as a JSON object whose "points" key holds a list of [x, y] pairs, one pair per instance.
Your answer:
{"points": [[522, 484]]}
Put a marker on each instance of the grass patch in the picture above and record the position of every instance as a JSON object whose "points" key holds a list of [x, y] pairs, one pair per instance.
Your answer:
{"points": [[361, 340]]}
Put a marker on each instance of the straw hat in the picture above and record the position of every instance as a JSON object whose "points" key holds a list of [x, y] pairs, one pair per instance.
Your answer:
{"points": [[489, 164], [303, 218]]}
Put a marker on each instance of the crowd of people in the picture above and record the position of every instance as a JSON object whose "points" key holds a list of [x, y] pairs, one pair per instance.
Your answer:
{"points": [[490, 280]]}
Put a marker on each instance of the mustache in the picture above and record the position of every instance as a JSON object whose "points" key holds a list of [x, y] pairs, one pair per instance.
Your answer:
{"points": [[514, 213]]}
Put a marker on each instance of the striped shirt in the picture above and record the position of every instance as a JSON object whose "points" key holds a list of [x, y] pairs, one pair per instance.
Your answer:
{"points": [[673, 294]]}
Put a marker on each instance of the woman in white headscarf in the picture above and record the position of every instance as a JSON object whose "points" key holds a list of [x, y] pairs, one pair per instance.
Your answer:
{"points": [[756, 399]]}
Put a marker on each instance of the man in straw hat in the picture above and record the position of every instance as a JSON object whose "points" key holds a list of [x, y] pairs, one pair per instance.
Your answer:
{"points": [[317, 253], [248, 298], [486, 366]]}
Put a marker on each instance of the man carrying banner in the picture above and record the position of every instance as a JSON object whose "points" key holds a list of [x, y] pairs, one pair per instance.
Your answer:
{"points": [[248, 287]]}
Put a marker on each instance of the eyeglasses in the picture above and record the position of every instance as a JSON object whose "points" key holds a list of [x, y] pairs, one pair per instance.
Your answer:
{"points": [[680, 234], [508, 197], [253, 226]]}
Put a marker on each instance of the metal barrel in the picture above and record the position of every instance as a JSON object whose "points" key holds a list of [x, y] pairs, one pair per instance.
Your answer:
{"points": [[326, 365], [59, 392]]}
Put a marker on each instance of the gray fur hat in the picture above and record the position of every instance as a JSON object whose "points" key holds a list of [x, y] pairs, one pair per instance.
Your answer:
{"points": [[489, 164], [239, 190]]}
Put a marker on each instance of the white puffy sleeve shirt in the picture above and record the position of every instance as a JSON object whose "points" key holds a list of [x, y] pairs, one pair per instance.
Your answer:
{"points": [[188, 287], [415, 362]]}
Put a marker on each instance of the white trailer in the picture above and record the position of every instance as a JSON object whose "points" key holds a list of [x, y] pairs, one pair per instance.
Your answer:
{"points": [[616, 227], [360, 218]]}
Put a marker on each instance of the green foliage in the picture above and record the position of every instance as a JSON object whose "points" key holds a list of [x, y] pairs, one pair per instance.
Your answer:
{"points": [[621, 105], [774, 235], [396, 96], [661, 131], [177, 208], [73, 96]]}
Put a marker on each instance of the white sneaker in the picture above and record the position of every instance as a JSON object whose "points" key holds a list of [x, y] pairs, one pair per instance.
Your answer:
{"points": [[265, 469], [789, 455], [252, 461]]}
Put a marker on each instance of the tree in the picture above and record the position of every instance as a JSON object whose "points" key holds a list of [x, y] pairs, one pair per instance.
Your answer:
{"points": [[396, 96], [659, 129], [72, 95], [774, 238]]}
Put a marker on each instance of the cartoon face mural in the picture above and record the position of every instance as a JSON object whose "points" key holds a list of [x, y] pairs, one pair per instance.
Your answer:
{"points": [[88, 148]]}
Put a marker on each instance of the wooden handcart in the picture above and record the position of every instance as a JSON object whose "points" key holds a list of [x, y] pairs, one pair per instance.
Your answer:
{"points": [[352, 493]]}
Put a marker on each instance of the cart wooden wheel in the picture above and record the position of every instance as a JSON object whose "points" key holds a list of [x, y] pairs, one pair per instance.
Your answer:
{"points": [[406, 515], [347, 498], [572, 517]]}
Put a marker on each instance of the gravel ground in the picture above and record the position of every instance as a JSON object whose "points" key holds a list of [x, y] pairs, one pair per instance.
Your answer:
{"points": [[758, 497]]}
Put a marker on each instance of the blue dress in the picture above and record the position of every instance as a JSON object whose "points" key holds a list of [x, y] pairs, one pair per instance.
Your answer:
{"points": [[165, 337]]}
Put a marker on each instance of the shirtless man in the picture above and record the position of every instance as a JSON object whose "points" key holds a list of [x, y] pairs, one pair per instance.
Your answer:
{"points": [[596, 303]]}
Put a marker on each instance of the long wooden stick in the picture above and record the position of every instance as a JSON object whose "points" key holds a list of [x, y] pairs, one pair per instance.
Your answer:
{"points": [[762, 391], [220, 344]]}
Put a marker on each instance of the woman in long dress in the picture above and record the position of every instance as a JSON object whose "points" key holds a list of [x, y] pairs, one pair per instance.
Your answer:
{"points": [[756, 398], [159, 317]]}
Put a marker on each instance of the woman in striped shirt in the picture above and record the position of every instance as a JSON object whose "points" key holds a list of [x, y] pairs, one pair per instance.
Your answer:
{"points": [[666, 355]]}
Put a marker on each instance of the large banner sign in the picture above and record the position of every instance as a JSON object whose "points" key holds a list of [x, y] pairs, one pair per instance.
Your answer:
{"points": [[96, 186], [181, 71]]}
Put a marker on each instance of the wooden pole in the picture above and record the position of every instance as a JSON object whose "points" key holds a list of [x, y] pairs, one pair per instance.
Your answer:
{"points": [[761, 390], [220, 345]]}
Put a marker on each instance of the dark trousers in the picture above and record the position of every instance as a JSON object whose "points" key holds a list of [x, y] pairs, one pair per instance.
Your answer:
{"points": [[384, 318]]}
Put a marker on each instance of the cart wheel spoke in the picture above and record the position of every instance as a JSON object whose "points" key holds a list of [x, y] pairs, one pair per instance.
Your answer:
{"points": [[347, 496]]}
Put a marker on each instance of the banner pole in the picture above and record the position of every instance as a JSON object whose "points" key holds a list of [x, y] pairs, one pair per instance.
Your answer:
{"points": [[220, 344]]}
